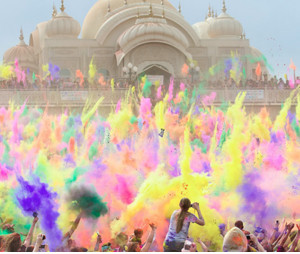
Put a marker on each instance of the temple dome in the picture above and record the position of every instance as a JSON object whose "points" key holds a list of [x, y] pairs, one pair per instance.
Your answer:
{"points": [[22, 52], [62, 25], [225, 26], [152, 27], [201, 28], [98, 14]]}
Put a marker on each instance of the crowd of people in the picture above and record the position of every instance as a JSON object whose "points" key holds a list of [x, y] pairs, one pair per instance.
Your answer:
{"points": [[272, 83], [283, 238], [71, 84]]}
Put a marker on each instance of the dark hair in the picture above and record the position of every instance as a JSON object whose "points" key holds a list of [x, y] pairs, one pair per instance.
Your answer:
{"points": [[184, 204], [12, 242], [239, 224], [1, 243], [138, 231]]}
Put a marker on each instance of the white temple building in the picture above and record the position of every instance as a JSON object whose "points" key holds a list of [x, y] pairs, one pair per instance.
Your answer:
{"points": [[142, 36]]}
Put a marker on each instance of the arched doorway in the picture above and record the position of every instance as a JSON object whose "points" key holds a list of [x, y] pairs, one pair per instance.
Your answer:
{"points": [[157, 71]]}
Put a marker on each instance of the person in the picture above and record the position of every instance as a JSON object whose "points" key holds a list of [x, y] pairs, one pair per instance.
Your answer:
{"points": [[261, 235], [203, 245], [179, 225], [39, 247], [295, 241], [26, 247], [11, 243], [222, 228], [121, 240], [135, 246], [254, 245], [281, 84], [7, 227], [69, 243], [282, 247], [235, 241], [189, 247], [138, 234], [99, 240]]}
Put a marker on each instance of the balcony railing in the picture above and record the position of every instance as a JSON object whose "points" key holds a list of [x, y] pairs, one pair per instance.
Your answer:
{"points": [[78, 97]]}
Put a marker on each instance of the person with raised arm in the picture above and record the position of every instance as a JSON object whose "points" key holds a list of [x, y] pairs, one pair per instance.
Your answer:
{"points": [[68, 243], [28, 238], [281, 247], [179, 225], [99, 240], [254, 239], [296, 240], [38, 243], [135, 246]]}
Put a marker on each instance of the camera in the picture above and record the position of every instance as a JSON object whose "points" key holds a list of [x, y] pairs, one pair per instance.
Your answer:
{"points": [[162, 132], [35, 214], [187, 246], [248, 237]]}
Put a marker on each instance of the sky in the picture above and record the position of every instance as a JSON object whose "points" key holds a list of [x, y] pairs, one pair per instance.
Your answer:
{"points": [[272, 26]]}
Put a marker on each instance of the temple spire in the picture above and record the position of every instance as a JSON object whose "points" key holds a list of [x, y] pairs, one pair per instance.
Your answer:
{"points": [[108, 6], [21, 35], [62, 8], [54, 11], [125, 2], [224, 6], [162, 2], [209, 11], [179, 7]]}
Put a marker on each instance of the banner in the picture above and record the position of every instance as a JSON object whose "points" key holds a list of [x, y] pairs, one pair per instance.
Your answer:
{"points": [[156, 78], [255, 95], [73, 95]]}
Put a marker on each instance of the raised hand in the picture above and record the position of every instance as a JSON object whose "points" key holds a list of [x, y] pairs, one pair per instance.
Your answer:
{"points": [[290, 226], [195, 205], [35, 220], [39, 239], [99, 238], [253, 238], [153, 226]]}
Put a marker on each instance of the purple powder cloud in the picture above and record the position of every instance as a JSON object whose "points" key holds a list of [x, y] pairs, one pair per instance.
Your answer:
{"points": [[35, 196]]}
